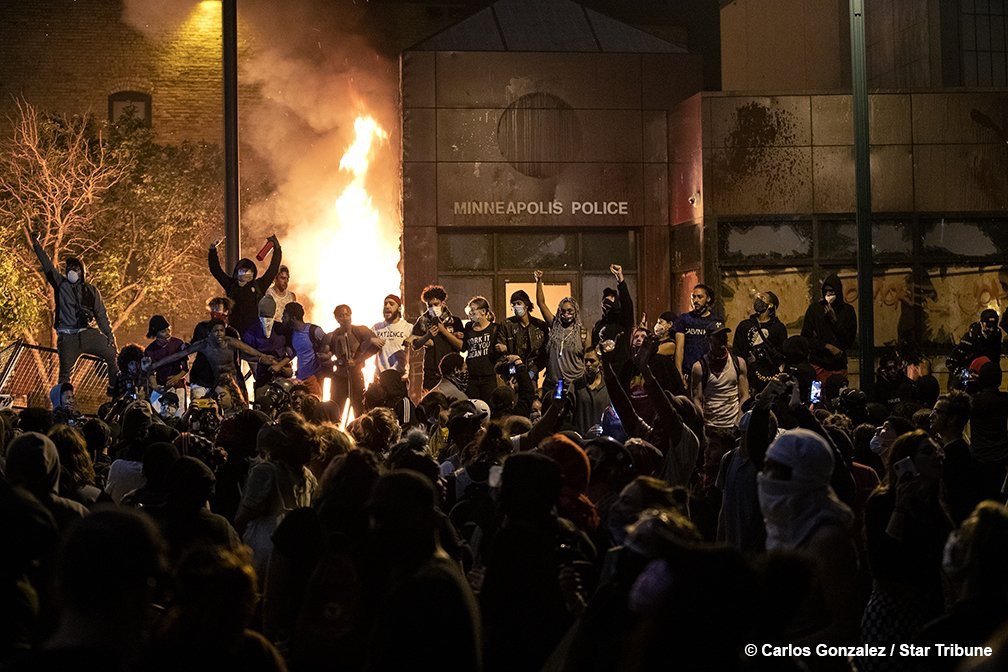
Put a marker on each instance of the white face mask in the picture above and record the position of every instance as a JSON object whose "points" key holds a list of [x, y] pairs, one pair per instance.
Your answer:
{"points": [[73, 276], [519, 309], [435, 311], [267, 325]]}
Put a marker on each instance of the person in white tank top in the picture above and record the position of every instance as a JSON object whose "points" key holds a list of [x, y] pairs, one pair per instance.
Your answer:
{"points": [[720, 387]]}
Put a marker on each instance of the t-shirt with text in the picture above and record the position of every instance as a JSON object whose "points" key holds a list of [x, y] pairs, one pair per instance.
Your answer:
{"points": [[393, 354]]}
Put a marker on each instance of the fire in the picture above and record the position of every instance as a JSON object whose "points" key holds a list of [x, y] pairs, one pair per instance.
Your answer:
{"points": [[352, 255]]}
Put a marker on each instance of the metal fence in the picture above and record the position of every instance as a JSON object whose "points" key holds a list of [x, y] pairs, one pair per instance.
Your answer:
{"points": [[28, 372]]}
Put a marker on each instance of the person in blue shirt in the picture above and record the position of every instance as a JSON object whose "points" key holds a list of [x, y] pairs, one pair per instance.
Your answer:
{"points": [[692, 328]]}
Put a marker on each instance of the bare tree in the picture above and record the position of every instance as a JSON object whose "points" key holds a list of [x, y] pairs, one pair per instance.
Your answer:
{"points": [[53, 173]]}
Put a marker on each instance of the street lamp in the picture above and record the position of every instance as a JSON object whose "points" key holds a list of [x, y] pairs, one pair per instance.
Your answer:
{"points": [[232, 228], [862, 183]]}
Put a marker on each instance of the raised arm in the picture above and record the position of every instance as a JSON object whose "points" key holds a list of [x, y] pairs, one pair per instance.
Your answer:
{"points": [[52, 275], [626, 301], [620, 399], [274, 266], [541, 298], [213, 261], [545, 426], [663, 407]]}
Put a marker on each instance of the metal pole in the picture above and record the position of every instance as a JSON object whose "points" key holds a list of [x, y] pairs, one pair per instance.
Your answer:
{"points": [[862, 181], [232, 227]]}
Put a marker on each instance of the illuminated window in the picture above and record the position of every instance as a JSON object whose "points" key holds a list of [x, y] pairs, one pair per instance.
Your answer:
{"points": [[130, 102]]}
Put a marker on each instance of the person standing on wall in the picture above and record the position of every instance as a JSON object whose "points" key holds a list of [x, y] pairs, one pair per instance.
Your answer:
{"points": [[79, 307]]}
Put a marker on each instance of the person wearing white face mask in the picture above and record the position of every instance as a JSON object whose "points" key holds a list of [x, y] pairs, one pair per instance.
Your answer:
{"points": [[244, 286], [437, 331], [524, 335], [79, 306]]}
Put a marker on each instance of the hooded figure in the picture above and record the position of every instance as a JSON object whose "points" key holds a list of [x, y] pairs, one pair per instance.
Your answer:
{"points": [[794, 508], [79, 305], [33, 464], [830, 327], [244, 287], [617, 314]]}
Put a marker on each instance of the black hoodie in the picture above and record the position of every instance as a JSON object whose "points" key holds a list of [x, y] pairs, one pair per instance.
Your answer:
{"points": [[245, 312], [838, 330]]}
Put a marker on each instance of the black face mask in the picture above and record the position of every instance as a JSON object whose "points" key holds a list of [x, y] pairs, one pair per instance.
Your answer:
{"points": [[760, 306]]}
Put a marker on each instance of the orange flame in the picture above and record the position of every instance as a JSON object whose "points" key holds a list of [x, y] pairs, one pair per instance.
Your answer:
{"points": [[352, 255]]}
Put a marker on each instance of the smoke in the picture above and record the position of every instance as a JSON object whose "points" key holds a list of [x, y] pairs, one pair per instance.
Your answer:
{"points": [[305, 75]]}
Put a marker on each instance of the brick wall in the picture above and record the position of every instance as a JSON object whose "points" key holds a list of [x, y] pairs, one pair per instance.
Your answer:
{"points": [[69, 56]]}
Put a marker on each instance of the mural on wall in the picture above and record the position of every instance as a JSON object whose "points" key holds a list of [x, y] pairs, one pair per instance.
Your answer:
{"points": [[790, 285], [960, 295], [898, 304]]}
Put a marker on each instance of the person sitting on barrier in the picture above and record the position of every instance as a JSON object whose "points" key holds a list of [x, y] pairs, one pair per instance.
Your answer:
{"points": [[79, 305], [168, 378], [219, 348]]}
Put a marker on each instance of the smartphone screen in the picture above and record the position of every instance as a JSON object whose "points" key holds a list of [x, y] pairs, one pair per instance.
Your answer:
{"points": [[559, 390], [816, 395]]}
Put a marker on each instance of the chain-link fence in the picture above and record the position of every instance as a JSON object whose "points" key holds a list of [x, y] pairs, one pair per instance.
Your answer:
{"points": [[28, 372]]}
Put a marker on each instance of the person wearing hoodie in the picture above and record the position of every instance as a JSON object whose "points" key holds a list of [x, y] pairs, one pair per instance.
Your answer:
{"points": [[64, 405], [617, 310], [33, 463], [803, 514], [830, 327], [759, 339], [79, 305], [243, 286]]}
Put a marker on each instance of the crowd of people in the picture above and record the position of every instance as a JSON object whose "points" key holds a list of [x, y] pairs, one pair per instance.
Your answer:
{"points": [[560, 495]]}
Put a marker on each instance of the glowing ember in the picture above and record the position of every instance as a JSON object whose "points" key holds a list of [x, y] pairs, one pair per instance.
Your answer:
{"points": [[352, 255]]}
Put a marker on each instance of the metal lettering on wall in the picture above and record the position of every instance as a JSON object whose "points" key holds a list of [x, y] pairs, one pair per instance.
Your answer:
{"points": [[541, 207]]}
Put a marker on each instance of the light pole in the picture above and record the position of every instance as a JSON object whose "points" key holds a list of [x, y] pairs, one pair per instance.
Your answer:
{"points": [[232, 227], [862, 182]]}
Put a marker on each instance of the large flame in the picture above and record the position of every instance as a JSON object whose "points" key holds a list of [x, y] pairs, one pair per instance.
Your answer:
{"points": [[354, 253]]}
